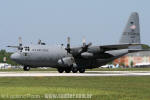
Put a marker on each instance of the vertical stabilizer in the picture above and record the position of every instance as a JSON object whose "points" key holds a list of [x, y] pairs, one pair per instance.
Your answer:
{"points": [[131, 33]]}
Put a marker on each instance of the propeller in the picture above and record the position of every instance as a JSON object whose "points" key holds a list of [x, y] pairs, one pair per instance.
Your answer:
{"points": [[19, 47], [83, 48]]}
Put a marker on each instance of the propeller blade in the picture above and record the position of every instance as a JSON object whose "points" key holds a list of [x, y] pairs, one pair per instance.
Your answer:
{"points": [[19, 47], [68, 39], [68, 42], [89, 44], [84, 42], [13, 46], [85, 48], [80, 50], [68, 45], [20, 41]]}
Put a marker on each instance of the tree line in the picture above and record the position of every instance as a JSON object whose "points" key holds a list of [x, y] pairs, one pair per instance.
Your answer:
{"points": [[4, 54]]}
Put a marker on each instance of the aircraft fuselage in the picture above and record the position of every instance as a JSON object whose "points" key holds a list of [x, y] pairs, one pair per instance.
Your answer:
{"points": [[49, 56]]}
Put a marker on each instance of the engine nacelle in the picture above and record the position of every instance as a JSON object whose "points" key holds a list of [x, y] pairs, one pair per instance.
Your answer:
{"points": [[67, 61], [87, 55], [94, 50]]}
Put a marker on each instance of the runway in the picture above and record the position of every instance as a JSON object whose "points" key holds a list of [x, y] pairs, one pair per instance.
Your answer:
{"points": [[87, 73]]}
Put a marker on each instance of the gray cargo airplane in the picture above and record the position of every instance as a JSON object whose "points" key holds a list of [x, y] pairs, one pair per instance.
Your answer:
{"points": [[79, 58]]}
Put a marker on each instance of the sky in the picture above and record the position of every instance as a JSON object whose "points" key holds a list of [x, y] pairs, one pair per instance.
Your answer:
{"points": [[99, 21]]}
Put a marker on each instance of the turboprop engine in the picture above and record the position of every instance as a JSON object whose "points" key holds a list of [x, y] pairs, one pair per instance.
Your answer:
{"points": [[87, 55], [94, 50]]}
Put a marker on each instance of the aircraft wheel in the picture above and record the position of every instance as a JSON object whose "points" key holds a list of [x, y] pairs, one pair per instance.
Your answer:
{"points": [[82, 70], [74, 70], [60, 70], [26, 68], [68, 70]]}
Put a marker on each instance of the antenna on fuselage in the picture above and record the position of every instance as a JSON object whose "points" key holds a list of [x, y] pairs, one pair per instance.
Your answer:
{"points": [[40, 42]]}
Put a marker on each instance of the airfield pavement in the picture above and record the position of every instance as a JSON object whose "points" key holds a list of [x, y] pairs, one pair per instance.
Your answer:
{"points": [[87, 73]]}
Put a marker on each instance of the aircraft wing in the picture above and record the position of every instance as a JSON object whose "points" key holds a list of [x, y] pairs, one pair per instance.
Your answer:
{"points": [[77, 51], [117, 46]]}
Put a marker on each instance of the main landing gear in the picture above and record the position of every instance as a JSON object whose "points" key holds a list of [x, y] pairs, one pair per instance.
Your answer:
{"points": [[61, 70], [73, 69], [67, 70], [81, 70], [26, 68]]}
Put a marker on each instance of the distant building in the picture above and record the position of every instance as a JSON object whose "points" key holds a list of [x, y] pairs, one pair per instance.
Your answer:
{"points": [[5, 66], [132, 59]]}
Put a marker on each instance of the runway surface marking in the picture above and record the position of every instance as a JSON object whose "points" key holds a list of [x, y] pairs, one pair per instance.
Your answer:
{"points": [[87, 73]]}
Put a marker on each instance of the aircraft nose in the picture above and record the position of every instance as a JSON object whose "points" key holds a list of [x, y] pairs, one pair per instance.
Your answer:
{"points": [[15, 56]]}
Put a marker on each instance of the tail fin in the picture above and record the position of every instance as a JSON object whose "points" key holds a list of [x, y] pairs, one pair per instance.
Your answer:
{"points": [[131, 33]]}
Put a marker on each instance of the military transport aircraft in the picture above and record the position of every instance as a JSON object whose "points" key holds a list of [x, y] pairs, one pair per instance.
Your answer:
{"points": [[79, 58]]}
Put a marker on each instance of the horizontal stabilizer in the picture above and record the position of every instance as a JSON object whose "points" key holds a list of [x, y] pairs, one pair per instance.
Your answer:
{"points": [[118, 46]]}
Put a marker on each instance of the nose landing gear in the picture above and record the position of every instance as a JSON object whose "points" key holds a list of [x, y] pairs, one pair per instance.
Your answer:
{"points": [[67, 70], [26, 68], [61, 70], [74, 70]]}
